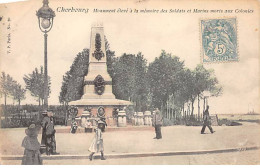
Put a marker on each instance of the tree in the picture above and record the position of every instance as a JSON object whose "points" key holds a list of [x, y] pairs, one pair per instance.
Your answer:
{"points": [[185, 93], [7, 85], [130, 79], [4, 86], [123, 77], [64, 88], [191, 88], [205, 80], [73, 80], [141, 83], [164, 78], [110, 58], [19, 94], [12, 88], [35, 84]]}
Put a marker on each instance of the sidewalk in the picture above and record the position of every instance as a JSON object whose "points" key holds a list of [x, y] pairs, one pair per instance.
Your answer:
{"points": [[250, 157], [176, 140]]}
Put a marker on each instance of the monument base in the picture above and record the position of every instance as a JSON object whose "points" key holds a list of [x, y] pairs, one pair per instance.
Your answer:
{"points": [[109, 106]]}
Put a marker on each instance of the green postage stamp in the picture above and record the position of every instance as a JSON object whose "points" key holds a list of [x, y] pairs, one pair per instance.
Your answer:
{"points": [[219, 40]]}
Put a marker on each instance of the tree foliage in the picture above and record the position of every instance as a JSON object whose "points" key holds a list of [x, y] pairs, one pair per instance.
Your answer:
{"points": [[130, 80], [169, 79], [35, 84], [186, 91], [19, 93], [73, 80], [164, 77], [110, 58], [11, 88], [204, 80], [6, 81]]}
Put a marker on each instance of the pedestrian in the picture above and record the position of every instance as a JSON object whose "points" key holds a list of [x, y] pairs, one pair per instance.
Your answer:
{"points": [[49, 134], [43, 140], [74, 126], [97, 144], [206, 121], [157, 123], [32, 155]]}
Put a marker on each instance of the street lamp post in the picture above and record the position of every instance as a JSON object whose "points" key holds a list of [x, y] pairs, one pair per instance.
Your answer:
{"points": [[45, 19]]}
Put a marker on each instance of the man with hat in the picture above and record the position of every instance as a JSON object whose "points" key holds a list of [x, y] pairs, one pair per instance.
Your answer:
{"points": [[206, 121], [48, 133], [157, 123]]}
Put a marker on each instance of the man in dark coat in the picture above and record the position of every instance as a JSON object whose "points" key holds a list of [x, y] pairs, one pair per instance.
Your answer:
{"points": [[43, 141], [48, 134], [157, 123], [206, 121]]}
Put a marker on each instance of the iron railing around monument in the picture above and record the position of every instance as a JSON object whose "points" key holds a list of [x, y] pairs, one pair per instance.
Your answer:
{"points": [[178, 117]]}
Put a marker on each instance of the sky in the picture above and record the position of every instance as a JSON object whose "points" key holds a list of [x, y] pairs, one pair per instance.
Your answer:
{"points": [[149, 33]]}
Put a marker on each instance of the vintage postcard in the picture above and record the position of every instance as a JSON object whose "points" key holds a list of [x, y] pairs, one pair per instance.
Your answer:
{"points": [[138, 82]]}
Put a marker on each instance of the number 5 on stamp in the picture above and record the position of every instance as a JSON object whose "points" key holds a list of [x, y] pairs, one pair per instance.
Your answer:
{"points": [[219, 40]]}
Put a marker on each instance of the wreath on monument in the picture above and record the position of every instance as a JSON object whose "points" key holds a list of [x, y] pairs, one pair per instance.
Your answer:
{"points": [[73, 111], [101, 112], [98, 54], [99, 84]]}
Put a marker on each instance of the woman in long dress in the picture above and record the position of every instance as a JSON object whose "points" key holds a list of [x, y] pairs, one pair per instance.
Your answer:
{"points": [[32, 155]]}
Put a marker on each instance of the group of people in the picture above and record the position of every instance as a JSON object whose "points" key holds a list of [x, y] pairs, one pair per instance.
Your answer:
{"points": [[74, 126], [32, 152], [32, 147]]}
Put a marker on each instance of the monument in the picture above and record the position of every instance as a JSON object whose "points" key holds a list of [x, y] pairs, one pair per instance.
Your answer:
{"points": [[98, 83]]}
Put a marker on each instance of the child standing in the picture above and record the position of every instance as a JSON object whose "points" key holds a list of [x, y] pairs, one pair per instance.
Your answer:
{"points": [[97, 143], [32, 155]]}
